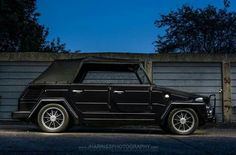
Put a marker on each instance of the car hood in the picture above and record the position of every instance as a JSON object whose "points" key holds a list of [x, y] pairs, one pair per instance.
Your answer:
{"points": [[174, 92]]}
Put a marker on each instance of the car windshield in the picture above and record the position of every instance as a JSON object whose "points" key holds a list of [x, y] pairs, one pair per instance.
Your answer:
{"points": [[142, 76]]}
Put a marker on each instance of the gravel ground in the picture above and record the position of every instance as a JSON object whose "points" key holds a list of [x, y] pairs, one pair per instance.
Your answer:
{"points": [[27, 139]]}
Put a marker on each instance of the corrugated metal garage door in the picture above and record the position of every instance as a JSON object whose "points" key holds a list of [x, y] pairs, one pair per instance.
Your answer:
{"points": [[201, 78], [233, 90], [14, 76]]}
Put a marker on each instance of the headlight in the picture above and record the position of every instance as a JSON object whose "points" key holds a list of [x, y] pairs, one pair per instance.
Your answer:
{"points": [[199, 99]]}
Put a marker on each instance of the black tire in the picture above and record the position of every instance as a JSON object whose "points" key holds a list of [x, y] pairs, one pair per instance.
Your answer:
{"points": [[183, 121], [53, 122]]}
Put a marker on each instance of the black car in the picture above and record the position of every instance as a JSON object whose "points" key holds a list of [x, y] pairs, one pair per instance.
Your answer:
{"points": [[100, 91]]}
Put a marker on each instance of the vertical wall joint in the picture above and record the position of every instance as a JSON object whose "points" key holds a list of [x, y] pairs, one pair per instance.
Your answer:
{"points": [[227, 103]]}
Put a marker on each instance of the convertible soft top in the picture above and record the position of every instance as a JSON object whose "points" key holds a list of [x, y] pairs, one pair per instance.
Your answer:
{"points": [[60, 71], [65, 71]]}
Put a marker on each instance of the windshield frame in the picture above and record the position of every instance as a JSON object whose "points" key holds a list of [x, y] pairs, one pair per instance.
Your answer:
{"points": [[145, 74]]}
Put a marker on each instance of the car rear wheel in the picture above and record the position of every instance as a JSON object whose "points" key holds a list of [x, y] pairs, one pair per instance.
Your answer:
{"points": [[53, 118], [182, 121]]}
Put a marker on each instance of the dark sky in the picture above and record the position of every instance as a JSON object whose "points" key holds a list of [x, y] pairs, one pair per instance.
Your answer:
{"points": [[109, 25]]}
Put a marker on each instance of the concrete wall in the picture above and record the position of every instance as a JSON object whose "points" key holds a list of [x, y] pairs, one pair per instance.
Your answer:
{"points": [[204, 74]]}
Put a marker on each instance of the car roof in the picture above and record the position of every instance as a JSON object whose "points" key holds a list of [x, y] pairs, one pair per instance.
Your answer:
{"points": [[65, 71]]}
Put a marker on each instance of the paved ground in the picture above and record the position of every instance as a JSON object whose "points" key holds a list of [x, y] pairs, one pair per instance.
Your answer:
{"points": [[15, 139]]}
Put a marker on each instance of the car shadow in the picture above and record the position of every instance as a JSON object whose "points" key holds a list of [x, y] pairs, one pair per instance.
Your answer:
{"points": [[131, 130], [76, 129], [29, 127]]}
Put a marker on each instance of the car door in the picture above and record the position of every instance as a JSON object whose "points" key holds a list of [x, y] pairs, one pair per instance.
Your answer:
{"points": [[127, 99], [91, 97], [130, 100]]}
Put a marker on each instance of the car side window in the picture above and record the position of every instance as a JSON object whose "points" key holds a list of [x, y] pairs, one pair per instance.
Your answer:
{"points": [[112, 77]]}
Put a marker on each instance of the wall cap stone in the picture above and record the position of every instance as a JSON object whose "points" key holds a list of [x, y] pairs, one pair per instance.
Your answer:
{"points": [[44, 56]]}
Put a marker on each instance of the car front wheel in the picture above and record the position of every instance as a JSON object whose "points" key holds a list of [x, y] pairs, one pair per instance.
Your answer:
{"points": [[182, 121], [53, 118]]}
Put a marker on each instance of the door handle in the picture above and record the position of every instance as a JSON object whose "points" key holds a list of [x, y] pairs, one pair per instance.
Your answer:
{"points": [[118, 91], [77, 91]]}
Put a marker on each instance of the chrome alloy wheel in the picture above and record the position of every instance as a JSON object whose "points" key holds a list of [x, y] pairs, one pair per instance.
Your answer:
{"points": [[183, 121], [52, 118]]}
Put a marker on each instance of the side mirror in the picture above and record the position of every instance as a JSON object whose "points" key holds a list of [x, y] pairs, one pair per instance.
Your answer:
{"points": [[220, 90]]}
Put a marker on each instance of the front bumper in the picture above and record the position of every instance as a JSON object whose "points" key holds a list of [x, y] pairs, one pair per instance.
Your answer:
{"points": [[211, 108], [20, 114]]}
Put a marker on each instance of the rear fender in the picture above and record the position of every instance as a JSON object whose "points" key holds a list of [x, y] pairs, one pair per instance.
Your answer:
{"points": [[61, 101]]}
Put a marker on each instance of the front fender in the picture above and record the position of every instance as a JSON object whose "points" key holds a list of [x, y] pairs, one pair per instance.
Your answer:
{"points": [[200, 109]]}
